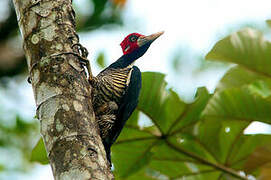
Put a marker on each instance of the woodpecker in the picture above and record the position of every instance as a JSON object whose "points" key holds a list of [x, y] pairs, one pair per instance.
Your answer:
{"points": [[116, 88]]}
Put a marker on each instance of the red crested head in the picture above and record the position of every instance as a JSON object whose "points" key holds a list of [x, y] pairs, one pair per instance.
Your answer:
{"points": [[137, 41], [130, 43]]}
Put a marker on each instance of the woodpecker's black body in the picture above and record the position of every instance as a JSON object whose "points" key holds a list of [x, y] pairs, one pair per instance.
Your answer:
{"points": [[120, 100], [116, 91]]}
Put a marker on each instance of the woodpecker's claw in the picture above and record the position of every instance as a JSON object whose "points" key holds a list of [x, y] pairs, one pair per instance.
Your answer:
{"points": [[83, 54], [81, 50]]}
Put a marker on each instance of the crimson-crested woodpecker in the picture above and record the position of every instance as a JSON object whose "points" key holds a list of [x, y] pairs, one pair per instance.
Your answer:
{"points": [[116, 89]]}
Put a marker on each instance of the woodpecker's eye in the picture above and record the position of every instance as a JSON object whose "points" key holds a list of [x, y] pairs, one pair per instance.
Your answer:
{"points": [[133, 38]]}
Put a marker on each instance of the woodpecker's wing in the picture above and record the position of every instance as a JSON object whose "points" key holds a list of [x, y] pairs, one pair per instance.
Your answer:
{"points": [[128, 103], [113, 83]]}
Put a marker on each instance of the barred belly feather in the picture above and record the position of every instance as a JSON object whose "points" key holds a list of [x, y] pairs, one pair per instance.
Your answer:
{"points": [[108, 88]]}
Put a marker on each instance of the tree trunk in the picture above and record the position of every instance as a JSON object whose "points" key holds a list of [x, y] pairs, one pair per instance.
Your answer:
{"points": [[61, 89]]}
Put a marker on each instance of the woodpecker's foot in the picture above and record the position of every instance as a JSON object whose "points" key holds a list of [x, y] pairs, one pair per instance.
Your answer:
{"points": [[83, 54], [81, 50]]}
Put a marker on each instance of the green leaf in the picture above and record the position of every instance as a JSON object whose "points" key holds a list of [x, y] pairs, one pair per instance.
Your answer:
{"points": [[161, 106], [251, 52], [2, 167], [192, 112], [248, 48], [268, 22], [218, 136], [242, 96], [260, 160], [101, 60], [39, 153], [244, 148], [143, 174], [238, 104], [127, 164], [183, 169], [261, 88], [239, 76], [227, 142]]}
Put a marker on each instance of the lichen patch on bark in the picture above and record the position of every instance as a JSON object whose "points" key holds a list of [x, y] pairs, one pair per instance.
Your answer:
{"points": [[65, 107], [77, 106], [59, 126], [44, 92], [35, 77], [44, 9], [35, 39], [49, 33], [46, 22], [79, 97], [75, 174]]}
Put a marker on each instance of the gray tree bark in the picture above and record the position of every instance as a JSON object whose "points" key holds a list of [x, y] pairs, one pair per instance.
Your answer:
{"points": [[61, 89]]}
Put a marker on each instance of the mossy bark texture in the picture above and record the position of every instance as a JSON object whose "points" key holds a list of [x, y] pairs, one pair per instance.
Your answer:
{"points": [[61, 89]]}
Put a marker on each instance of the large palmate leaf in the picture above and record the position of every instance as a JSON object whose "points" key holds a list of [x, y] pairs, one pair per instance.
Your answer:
{"points": [[179, 143], [239, 76], [244, 93], [252, 54], [247, 48], [238, 104]]}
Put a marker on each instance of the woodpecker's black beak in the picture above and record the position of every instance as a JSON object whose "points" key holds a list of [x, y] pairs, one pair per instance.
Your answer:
{"points": [[142, 40]]}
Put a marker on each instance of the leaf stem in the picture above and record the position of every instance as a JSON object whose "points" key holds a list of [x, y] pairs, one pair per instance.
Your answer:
{"points": [[203, 161], [181, 116], [194, 173]]}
